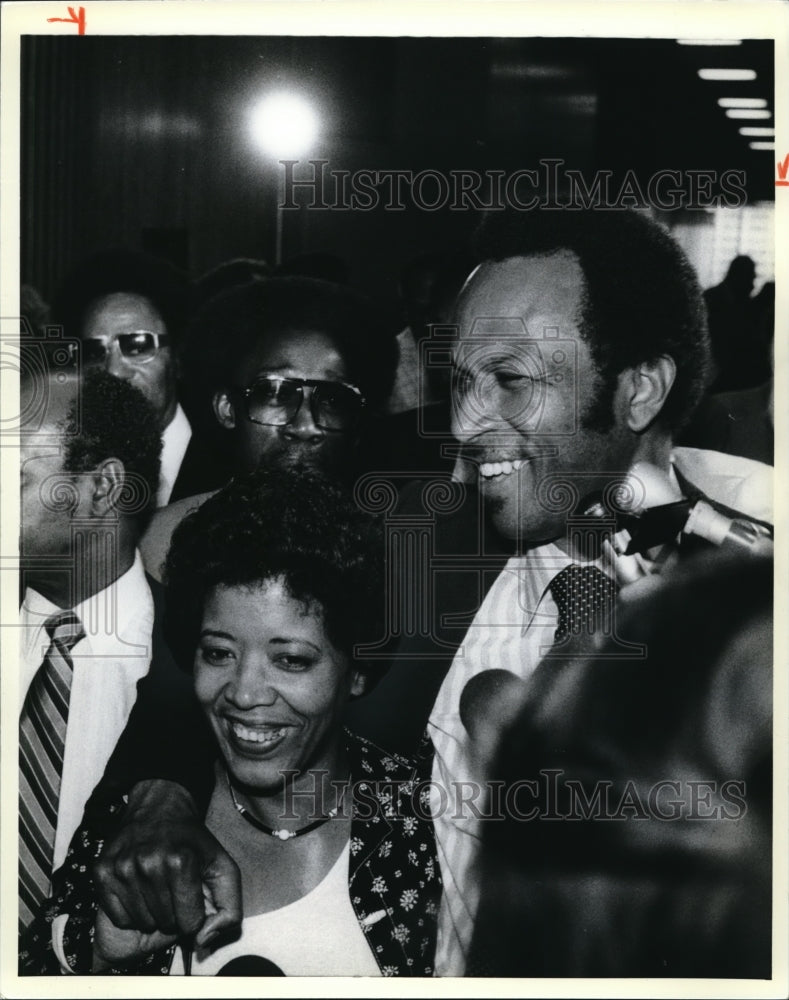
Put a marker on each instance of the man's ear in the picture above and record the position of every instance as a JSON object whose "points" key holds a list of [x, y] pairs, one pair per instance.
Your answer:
{"points": [[644, 390], [108, 481], [224, 411]]}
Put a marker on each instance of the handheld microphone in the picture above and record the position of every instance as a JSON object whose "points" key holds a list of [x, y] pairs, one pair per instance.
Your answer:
{"points": [[729, 532], [670, 515], [250, 965]]}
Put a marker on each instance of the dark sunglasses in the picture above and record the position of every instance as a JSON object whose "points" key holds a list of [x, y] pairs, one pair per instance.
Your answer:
{"points": [[138, 346], [274, 401]]}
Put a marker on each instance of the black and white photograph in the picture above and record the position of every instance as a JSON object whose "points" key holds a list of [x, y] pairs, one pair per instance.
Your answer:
{"points": [[391, 403]]}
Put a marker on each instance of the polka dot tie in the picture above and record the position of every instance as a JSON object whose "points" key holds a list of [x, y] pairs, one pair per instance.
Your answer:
{"points": [[585, 597]]}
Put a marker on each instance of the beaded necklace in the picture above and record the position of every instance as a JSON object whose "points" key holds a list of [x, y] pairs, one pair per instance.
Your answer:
{"points": [[280, 834]]}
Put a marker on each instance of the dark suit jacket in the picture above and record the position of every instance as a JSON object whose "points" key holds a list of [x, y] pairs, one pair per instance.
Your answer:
{"points": [[443, 558], [166, 735], [737, 423], [205, 466]]}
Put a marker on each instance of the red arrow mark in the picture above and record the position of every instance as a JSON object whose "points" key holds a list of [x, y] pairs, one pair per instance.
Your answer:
{"points": [[78, 19], [783, 170]]}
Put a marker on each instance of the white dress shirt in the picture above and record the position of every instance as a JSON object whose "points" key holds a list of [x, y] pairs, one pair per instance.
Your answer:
{"points": [[108, 662], [512, 630], [175, 441]]}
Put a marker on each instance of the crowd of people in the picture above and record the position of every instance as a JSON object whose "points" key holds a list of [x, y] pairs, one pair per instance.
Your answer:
{"points": [[356, 648]]}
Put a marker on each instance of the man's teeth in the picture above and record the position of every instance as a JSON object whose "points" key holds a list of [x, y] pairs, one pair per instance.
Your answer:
{"points": [[491, 469], [256, 735]]}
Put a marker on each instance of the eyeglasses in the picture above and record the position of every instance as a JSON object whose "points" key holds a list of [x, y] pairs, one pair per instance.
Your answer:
{"points": [[274, 401], [137, 346]]}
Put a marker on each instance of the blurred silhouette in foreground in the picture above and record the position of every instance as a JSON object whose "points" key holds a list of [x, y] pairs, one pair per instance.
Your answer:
{"points": [[648, 847]]}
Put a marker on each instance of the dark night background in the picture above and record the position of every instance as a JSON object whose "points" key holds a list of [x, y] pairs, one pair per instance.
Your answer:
{"points": [[144, 141]]}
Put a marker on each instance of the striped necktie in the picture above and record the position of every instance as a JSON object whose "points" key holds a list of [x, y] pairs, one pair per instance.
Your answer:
{"points": [[42, 739], [585, 598]]}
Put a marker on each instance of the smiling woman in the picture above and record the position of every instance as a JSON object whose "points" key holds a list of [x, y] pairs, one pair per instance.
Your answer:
{"points": [[271, 684], [274, 583]]}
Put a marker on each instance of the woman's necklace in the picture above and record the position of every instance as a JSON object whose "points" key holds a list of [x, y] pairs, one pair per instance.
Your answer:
{"points": [[280, 834]]}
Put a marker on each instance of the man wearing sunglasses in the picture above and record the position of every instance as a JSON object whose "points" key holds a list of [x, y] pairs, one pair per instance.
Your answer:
{"points": [[581, 348], [274, 401], [127, 309], [292, 419], [294, 370], [289, 371]]}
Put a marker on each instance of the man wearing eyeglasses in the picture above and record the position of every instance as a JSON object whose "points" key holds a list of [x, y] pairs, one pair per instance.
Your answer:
{"points": [[554, 293], [292, 370], [277, 401], [128, 309]]}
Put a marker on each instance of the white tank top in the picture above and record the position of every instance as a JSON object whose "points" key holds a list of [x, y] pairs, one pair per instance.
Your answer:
{"points": [[317, 935]]}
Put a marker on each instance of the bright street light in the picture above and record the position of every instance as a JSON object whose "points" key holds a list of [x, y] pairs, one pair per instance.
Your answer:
{"points": [[284, 124]]}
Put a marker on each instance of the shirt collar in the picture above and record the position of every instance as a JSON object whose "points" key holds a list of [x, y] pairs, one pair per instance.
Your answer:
{"points": [[36, 606], [175, 440], [123, 608]]}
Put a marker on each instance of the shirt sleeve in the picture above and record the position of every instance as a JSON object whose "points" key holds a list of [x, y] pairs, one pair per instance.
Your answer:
{"points": [[457, 832]]}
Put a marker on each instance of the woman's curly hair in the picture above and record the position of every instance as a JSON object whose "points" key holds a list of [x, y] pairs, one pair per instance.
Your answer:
{"points": [[295, 525]]}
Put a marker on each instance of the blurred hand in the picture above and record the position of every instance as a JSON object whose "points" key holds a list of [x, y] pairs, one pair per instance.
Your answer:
{"points": [[639, 589], [164, 876], [489, 703]]}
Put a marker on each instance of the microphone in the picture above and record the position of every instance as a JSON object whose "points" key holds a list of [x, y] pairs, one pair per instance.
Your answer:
{"points": [[728, 532], [250, 965], [670, 514]]}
